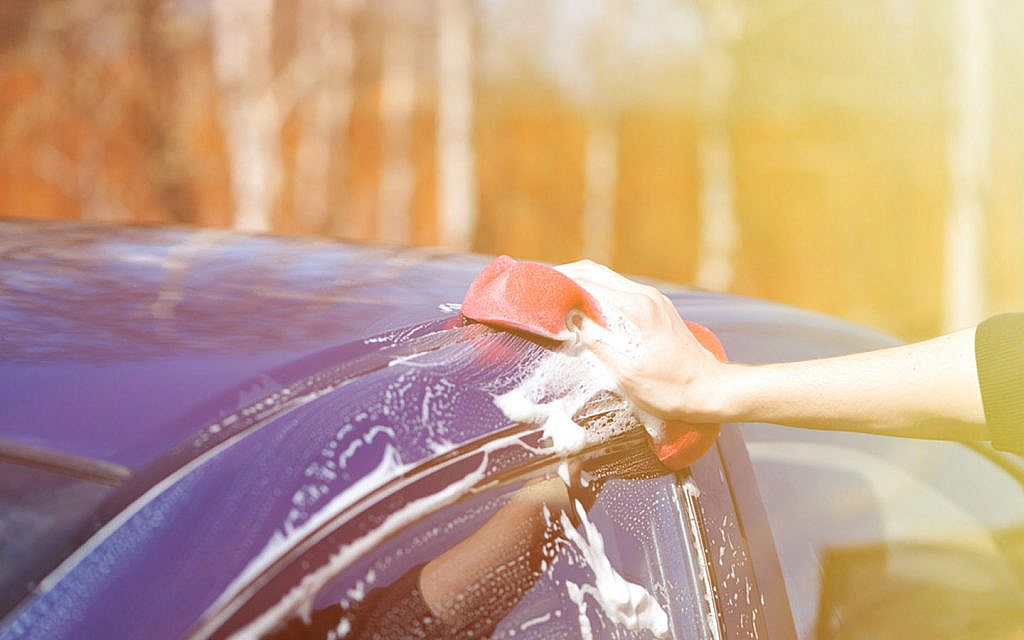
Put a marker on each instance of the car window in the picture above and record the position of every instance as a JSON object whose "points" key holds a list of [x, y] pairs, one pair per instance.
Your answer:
{"points": [[892, 538], [41, 511], [508, 569]]}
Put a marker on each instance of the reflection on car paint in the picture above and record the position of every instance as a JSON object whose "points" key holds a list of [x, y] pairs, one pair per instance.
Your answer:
{"points": [[633, 540], [300, 599]]}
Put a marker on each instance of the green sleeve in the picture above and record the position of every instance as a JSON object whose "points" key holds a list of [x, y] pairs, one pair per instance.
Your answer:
{"points": [[999, 353]]}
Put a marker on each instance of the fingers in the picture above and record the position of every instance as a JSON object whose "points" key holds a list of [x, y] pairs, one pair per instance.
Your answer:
{"points": [[599, 274], [604, 280], [601, 289], [641, 304]]}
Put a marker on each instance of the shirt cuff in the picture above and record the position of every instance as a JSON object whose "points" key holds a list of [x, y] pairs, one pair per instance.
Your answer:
{"points": [[999, 353]]}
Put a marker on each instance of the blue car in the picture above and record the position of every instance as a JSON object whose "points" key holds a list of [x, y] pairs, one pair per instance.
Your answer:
{"points": [[213, 435]]}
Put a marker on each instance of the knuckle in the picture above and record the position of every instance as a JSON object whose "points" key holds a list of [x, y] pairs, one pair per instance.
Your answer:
{"points": [[647, 303]]}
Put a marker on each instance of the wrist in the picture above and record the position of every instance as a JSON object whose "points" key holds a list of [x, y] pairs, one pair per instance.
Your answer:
{"points": [[723, 396]]}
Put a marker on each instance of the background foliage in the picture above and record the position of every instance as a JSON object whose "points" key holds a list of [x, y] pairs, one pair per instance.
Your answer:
{"points": [[864, 159]]}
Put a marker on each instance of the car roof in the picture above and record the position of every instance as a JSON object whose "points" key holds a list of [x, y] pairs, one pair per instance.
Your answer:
{"points": [[112, 337], [221, 366], [119, 342]]}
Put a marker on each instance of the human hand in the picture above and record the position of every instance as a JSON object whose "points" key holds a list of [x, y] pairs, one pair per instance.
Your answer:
{"points": [[675, 377]]}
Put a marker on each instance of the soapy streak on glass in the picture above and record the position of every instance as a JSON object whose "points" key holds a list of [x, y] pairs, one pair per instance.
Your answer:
{"points": [[388, 474], [588, 555], [551, 396], [546, 608]]}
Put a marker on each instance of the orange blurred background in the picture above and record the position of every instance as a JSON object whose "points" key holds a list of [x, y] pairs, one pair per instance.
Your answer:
{"points": [[861, 159]]}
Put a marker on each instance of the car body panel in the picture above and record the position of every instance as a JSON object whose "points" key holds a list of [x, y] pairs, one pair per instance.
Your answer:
{"points": [[136, 327], [250, 496], [220, 367]]}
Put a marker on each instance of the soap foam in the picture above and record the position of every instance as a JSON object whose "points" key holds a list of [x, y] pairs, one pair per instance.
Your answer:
{"points": [[300, 598], [624, 602], [555, 392], [570, 376], [563, 381]]}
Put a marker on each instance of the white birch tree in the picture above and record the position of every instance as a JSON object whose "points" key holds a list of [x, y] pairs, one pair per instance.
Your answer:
{"points": [[326, 49], [601, 145], [718, 226], [970, 144], [456, 164], [397, 100], [249, 113], [600, 177]]}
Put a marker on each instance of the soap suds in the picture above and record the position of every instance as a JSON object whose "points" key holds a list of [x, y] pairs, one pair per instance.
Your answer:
{"points": [[625, 603], [558, 388], [300, 598], [564, 380], [281, 541], [535, 621], [564, 474], [579, 598], [560, 385]]}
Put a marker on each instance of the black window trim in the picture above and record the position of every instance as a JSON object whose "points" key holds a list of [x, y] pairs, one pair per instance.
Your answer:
{"points": [[738, 474]]}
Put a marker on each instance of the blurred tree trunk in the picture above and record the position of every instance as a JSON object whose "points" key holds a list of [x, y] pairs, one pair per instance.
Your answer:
{"points": [[601, 146], [601, 170], [717, 220], [970, 146], [456, 184], [397, 99], [162, 130], [249, 113], [325, 49]]}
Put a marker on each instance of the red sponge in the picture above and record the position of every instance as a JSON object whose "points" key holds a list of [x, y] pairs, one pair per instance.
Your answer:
{"points": [[527, 296], [537, 299], [684, 443]]}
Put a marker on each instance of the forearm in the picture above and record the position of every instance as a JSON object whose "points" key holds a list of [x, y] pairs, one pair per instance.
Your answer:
{"points": [[495, 565], [926, 390]]}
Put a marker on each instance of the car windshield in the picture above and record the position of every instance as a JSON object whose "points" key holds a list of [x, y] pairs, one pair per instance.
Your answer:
{"points": [[925, 535]]}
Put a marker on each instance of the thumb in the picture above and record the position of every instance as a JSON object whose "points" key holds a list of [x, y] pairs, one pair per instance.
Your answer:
{"points": [[610, 355]]}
